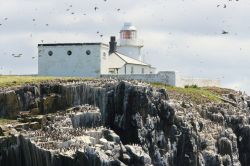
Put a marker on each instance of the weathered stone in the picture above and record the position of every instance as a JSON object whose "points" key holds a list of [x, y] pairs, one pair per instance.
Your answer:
{"points": [[138, 155], [1, 131], [164, 132], [226, 160], [244, 145], [50, 104], [35, 125], [111, 136], [35, 111], [9, 104], [126, 159], [225, 146], [86, 118], [248, 103], [232, 97]]}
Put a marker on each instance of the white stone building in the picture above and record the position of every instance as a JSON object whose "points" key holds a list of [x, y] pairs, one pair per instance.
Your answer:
{"points": [[123, 60], [94, 59]]}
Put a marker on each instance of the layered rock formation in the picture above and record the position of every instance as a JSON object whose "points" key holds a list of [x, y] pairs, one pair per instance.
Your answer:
{"points": [[129, 123]]}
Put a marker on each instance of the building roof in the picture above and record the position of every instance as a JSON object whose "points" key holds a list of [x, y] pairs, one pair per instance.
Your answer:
{"points": [[71, 44], [129, 60]]}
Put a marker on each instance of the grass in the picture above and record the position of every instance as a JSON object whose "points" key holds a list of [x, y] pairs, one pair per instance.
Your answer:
{"points": [[10, 81], [194, 94]]}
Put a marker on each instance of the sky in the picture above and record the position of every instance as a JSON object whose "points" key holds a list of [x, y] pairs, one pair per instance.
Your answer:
{"points": [[182, 35]]}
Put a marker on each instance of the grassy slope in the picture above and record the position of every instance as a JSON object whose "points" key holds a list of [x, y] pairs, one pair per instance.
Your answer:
{"points": [[195, 95], [10, 81]]}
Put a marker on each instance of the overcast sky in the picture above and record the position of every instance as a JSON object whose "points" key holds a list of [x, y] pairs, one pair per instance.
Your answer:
{"points": [[182, 35]]}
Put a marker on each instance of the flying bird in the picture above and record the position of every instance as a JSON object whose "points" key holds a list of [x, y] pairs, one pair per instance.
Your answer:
{"points": [[17, 56], [118, 10], [224, 32]]}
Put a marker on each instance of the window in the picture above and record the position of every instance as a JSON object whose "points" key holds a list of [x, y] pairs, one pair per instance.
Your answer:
{"points": [[50, 53], [88, 52], [132, 70], [111, 71], [142, 70], [69, 53], [104, 55], [128, 34]]}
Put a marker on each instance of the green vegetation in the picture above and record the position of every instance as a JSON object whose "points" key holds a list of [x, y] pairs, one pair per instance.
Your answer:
{"points": [[191, 86], [194, 94], [10, 81]]}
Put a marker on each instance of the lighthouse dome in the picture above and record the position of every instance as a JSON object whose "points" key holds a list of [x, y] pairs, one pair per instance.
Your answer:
{"points": [[128, 27]]}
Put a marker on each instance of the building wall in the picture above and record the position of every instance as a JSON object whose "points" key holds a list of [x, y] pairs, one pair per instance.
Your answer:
{"points": [[199, 82], [130, 51], [112, 61], [77, 64], [105, 58], [172, 78], [138, 69]]}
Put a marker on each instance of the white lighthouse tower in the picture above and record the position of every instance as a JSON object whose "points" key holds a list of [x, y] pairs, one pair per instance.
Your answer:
{"points": [[129, 44]]}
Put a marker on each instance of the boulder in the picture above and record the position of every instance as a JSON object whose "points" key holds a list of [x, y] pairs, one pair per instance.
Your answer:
{"points": [[138, 155], [9, 104], [111, 136]]}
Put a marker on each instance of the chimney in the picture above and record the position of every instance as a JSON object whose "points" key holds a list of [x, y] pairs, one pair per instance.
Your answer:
{"points": [[112, 45]]}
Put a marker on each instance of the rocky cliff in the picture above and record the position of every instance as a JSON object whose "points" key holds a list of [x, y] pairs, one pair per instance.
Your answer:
{"points": [[123, 123]]}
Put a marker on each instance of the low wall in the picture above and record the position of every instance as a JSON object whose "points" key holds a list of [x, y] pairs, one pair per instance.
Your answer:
{"points": [[166, 77], [172, 78], [198, 81]]}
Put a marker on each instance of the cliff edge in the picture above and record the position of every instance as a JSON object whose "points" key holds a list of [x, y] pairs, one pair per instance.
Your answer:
{"points": [[110, 122]]}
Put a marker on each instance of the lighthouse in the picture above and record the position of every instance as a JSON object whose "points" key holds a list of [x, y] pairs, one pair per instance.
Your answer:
{"points": [[130, 45]]}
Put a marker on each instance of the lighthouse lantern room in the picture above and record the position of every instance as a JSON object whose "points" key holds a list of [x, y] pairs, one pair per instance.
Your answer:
{"points": [[129, 43]]}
